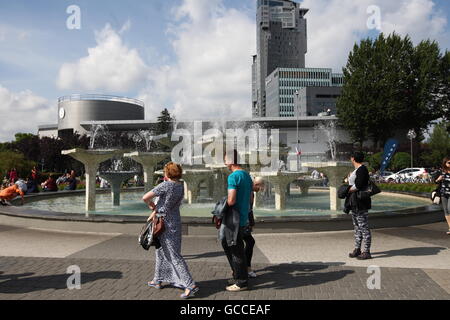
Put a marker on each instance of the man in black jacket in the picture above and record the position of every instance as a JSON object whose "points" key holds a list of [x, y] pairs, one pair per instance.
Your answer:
{"points": [[359, 181]]}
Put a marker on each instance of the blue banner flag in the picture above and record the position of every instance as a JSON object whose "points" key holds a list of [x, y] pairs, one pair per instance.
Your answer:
{"points": [[389, 149]]}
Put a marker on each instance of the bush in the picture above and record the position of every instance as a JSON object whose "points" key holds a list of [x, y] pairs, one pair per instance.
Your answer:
{"points": [[375, 160], [401, 160], [408, 187]]}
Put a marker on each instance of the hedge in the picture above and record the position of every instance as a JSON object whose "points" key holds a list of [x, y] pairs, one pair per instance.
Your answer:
{"points": [[408, 187]]}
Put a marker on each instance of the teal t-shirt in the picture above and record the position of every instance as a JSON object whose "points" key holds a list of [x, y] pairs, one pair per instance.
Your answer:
{"points": [[241, 181]]}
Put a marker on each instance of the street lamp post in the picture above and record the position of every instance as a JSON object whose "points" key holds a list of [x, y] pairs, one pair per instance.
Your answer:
{"points": [[411, 135], [297, 100]]}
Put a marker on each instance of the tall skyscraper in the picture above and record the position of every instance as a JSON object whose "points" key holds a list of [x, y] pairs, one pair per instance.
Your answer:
{"points": [[281, 43]]}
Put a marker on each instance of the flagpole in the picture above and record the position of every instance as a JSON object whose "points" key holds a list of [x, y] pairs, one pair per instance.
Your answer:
{"points": [[298, 138]]}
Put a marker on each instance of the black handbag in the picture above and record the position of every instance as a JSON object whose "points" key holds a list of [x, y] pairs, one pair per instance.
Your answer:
{"points": [[372, 189], [146, 235]]}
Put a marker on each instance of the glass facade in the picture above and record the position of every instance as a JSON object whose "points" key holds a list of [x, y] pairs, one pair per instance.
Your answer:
{"points": [[283, 83]]}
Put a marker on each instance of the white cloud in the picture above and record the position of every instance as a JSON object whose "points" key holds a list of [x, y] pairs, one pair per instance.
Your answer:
{"points": [[110, 66], [23, 112], [335, 25], [212, 76]]}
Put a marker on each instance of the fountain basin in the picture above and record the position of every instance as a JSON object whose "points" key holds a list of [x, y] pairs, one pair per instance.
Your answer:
{"points": [[34, 216]]}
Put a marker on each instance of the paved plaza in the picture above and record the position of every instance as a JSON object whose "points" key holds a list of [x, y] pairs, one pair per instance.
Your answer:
{"points": [[414, 263]]}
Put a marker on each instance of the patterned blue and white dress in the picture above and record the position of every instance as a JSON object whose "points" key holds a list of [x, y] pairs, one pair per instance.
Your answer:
{"points": [[170, 265]]}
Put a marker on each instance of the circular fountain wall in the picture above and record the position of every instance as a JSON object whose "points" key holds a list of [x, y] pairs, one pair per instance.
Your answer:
{"points": [[64, 211]]}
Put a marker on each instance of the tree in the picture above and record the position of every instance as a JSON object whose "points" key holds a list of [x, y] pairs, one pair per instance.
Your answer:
{"points": [[10, 159], [375, 160], [444, 89], [165, 122], [439, 146], [390, 85], [28, 145], [401, 160]]}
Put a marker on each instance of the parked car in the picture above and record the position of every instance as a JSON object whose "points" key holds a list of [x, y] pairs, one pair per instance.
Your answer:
{"points": [[406, 174], [383, 176]]}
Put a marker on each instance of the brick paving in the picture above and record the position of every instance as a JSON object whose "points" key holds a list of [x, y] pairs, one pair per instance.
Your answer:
{"points": [[103, 279], [414, 264]]}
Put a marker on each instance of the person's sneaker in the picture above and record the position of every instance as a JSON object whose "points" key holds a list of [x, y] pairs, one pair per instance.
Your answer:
{"points": [[364, 256], [231, 281], [252, 274], [235, 288], [355, 253]]}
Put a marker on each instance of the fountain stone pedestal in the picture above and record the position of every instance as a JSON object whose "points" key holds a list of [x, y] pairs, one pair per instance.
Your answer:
{"points": [[218, 181], [91, 160], [305, 184], [192, 179], [148, 160], [280, 181], [116, 179], [336, 171]]}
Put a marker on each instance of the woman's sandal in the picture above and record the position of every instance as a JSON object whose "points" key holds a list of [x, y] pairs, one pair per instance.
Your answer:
{"points": [[191, 293], [154, 285]]}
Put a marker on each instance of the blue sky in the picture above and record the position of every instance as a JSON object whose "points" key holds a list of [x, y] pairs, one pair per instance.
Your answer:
{"points": [[192, 56]]}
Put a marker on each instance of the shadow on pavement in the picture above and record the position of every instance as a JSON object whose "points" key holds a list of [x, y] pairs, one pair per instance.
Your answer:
{"points": [[283, 276], [204, 255], [408, 252], [16, 283]]}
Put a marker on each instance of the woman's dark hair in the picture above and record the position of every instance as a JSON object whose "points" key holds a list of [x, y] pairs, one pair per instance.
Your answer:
{"points": [[358, 156], [444, 164]]}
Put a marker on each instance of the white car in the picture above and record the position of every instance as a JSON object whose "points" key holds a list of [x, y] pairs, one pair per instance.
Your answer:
{"points": [[383, 176], [406, 174]]}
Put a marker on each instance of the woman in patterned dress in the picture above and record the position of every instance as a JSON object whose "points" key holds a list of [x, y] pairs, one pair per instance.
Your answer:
{"points": [[444, 181], [170, 266]]}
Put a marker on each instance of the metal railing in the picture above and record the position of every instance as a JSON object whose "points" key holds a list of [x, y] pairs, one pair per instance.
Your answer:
{"points": [[82, 97]]}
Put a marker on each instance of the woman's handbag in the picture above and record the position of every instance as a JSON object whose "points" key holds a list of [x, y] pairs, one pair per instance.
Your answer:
{"points": [[158, 226], [436, 195], [146, 235], [372, 189]]}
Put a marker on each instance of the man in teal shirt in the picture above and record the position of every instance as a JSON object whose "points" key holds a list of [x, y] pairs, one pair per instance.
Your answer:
{"points": [[240, 187]]}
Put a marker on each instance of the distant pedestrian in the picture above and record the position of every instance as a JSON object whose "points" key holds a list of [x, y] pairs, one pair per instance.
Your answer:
{"points": [[13, 175], [315, 175], [444, 182], [170, 264], [358, 180]]}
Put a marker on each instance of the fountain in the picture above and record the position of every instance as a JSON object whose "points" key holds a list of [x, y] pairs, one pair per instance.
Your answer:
{"points": [[148, 159], [336, 171], [91, 160], [116, 176]]}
